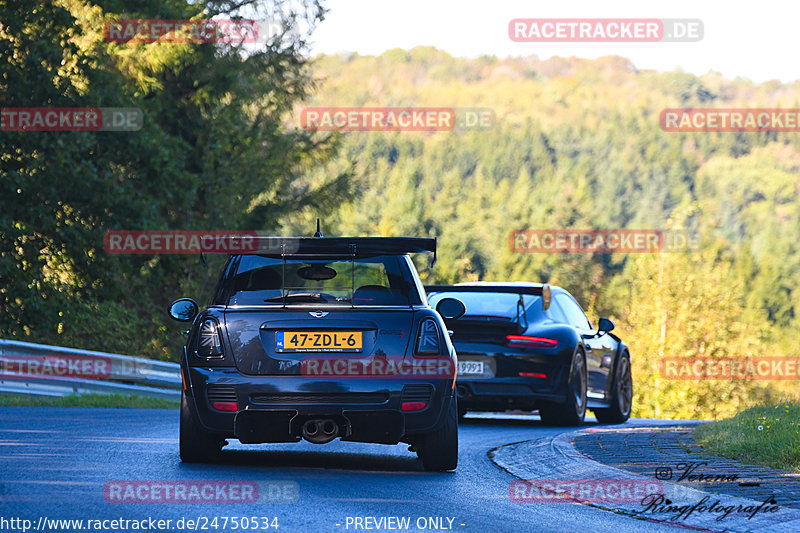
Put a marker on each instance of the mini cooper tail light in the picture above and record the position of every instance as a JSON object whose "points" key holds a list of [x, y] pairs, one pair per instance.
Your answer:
{"points": [[209, 344], [428, 338], [225, 406], [413, 406], [523, 341]]}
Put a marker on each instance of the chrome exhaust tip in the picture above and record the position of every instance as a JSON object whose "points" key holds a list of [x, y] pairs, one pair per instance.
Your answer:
{"points": [[320, 431], [329, 427]]}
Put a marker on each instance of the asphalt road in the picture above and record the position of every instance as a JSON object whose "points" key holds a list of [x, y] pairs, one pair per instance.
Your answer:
{"points": [[56, 462]]}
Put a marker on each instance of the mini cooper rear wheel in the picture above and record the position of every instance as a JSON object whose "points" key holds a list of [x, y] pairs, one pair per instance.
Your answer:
{"points": [[439, 449], [196, 444], [622, 395], [573, 411]]}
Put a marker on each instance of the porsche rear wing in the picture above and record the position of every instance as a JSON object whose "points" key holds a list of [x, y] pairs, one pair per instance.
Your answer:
{"points": [[543, 290]]}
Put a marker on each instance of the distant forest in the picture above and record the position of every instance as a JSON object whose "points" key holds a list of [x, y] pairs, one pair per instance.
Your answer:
{"points": [[576, 144]]}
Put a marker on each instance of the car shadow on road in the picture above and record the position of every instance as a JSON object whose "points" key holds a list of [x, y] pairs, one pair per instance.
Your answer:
{"points": [[328, 460], [526, 421]]}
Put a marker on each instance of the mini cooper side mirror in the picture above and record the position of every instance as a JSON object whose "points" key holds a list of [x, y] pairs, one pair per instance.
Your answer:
{"points": [[604, 325], [450, 308], [184, 309]]}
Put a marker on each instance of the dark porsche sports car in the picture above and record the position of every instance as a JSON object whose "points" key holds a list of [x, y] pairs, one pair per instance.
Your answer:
{"points": [[319, 338], [530, 346]]}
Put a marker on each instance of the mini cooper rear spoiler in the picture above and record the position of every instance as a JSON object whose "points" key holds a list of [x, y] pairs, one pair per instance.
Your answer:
{"points": [[346, 246], [543, 290], [327, 246]]}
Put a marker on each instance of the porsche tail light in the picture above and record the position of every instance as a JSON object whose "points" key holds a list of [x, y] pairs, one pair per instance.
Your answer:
{"points": [[532, 375], [523, 341], [428, 338], [208, 344]]}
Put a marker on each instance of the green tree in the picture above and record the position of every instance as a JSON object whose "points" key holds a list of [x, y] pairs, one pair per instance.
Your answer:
{"points": [[215, 152]]}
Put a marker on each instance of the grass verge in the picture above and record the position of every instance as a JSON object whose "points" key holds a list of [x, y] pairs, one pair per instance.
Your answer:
{"points": [[766, 435], [90, 400]]}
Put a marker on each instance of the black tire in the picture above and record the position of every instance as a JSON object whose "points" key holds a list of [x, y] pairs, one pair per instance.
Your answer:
{"points": [[196, 445], [621, 396], [461, 413], [439, 449], [573, 411]]}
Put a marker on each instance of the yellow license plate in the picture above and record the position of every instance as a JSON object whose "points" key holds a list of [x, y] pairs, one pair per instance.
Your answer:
{"points": [[318, 341]]}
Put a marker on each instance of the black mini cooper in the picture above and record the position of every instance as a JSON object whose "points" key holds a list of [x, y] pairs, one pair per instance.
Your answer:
{"points": [[530, 346], [319, 338]]}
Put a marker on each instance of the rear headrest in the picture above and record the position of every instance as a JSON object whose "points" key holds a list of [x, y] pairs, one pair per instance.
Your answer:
{"points": [[378, 295], [263, 279]]}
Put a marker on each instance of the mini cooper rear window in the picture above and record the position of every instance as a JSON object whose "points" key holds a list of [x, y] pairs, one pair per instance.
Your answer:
{"points": [[261, 280]]}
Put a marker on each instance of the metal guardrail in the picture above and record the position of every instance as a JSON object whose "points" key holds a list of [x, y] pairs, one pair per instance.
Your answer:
{"points": [[44, 370]]}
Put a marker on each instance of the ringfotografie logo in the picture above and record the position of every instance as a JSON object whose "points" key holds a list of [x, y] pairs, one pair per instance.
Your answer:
{"points": [[656, 504], [694, 472]]}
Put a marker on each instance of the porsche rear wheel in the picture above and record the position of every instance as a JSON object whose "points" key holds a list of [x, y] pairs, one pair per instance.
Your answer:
{"points": [[573, 411], [622, 395]]}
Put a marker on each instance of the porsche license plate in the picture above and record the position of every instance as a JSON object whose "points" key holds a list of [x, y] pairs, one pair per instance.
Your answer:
{"points": [[470, 368], [322, 341]]}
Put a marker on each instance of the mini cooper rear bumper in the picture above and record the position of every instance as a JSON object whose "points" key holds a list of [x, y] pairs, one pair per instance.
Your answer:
{"points": [[261, 409]]}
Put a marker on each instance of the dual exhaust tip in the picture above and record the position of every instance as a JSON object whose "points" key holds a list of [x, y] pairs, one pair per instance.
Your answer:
{"points": [[320, 430]]}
